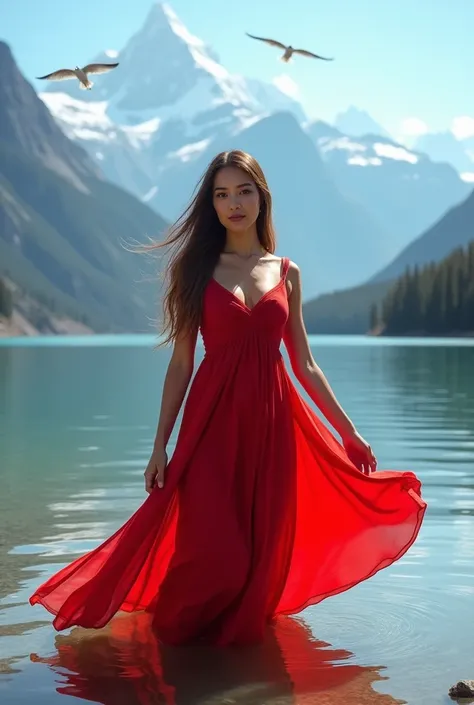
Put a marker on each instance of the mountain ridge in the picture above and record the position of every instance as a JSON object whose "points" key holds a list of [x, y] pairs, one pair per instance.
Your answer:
{"points": [[63, 224], [347, 310]]}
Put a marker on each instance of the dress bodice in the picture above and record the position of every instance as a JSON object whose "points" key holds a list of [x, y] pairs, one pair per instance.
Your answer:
{"points": [[227, 320]]}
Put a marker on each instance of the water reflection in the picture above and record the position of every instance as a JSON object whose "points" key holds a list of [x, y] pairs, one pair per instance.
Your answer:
{"points": [[124, 664]]}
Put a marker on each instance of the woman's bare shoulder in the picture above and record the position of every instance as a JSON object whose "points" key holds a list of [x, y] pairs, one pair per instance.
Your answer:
{"points": [[293, 269]]}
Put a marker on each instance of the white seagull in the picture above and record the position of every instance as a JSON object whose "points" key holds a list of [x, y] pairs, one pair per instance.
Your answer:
{"points": [[81, 74], [288, 49]]}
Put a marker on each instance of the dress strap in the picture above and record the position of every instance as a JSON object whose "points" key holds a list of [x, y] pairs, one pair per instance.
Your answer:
{"points": [[285, 263]]}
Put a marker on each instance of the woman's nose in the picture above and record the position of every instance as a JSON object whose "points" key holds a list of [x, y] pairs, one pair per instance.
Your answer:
{"points": [[234, 202]]}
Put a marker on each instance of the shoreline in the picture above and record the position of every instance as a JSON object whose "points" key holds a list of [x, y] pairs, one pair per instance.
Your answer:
{"points": [[72, 329], [421, 334], [18, 326]]}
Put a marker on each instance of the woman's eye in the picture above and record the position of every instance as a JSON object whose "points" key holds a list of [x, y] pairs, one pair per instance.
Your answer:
{"points": [[244, 191]]}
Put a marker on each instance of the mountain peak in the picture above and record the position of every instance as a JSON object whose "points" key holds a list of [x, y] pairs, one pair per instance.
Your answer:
{"points": [[160, 65], [160, 13], [162, 16], [357, 123]]}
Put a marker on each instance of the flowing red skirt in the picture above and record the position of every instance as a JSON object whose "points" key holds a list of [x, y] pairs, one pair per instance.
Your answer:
{"points": [[262, 512]]}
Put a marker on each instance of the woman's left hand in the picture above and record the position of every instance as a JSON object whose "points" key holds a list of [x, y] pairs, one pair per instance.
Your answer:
{"points": [[360, 453]]}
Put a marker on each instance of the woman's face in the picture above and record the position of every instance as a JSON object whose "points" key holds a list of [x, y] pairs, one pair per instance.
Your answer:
{"points": [[236, 199]]}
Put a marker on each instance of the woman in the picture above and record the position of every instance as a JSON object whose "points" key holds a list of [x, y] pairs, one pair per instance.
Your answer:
{"points": [[260, 511]]}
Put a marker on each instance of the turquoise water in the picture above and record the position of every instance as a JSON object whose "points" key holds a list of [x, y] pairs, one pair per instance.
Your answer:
{"points": [[77, 420]]}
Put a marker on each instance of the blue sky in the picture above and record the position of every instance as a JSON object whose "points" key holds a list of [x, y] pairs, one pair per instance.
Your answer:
{"points": [[410, 58]]}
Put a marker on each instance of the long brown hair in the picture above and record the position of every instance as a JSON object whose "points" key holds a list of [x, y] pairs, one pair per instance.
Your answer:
{"points": [[197, 240]]}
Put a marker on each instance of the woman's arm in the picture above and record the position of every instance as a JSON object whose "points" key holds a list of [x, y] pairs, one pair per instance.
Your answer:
{"points": [[312, 379], [178, 376]]}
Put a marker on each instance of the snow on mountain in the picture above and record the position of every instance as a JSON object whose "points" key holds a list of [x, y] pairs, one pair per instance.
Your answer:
{"points": [[167, 98], [167, 72], [171, 103], [402, 188], [370, 151], [120, 151]]}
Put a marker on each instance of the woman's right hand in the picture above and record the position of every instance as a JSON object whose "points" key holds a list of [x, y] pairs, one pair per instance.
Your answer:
{"points": [[155, 470]]}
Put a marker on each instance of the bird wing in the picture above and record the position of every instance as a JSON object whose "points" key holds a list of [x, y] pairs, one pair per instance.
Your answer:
{"points": [[304, 52], [98, 68], [61, 75], [272, 42]]}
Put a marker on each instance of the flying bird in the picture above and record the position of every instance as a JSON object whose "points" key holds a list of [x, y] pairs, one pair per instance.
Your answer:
{"points": [[288, 49], [81, 74]]}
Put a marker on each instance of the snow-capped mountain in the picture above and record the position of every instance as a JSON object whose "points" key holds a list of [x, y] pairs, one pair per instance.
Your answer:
{"points": [[403, 189], [156, 121], [167, 70], [169, 92], [167, 73]]}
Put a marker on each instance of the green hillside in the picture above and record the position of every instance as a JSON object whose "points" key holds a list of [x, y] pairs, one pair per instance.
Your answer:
{"points": [[437, 299]]}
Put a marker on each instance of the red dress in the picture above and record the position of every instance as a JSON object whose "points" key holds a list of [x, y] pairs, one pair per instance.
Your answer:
{"points": [[262, 512]]}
